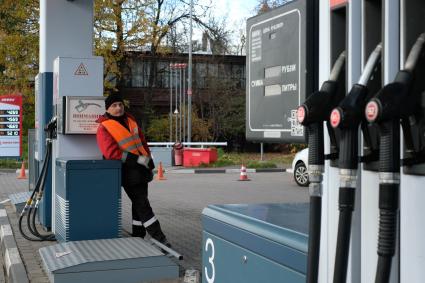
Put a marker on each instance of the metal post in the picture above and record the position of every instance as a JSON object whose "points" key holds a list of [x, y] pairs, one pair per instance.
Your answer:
{"points": [[189, 87], [262, 151], [184, 112], [180, 103], [171, 103], [176, 111]]}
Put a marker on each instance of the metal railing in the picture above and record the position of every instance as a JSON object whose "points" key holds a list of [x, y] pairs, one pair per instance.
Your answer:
{"points": [[201, 144]]}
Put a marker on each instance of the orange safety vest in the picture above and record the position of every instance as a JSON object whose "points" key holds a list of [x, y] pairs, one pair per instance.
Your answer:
{"points": [[128, 141]]}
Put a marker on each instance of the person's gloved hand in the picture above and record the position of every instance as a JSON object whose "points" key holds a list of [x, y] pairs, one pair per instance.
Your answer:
{"points": [[144, 160]]}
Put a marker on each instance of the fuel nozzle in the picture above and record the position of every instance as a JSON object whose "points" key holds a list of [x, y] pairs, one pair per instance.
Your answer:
{"points": [[412, 114], [385, 110], [51, 128], [315, 110], [347, 117], [386, 104], [317, 107], [312, 114]]}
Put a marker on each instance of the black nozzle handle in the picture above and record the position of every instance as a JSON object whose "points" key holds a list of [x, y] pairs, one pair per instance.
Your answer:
{"points": [[415, 53], [51, 125], [319, 104], [348, 149], [316, 154], [389, 150], [338, 66]]}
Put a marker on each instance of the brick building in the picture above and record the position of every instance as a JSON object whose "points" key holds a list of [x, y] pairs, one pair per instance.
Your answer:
{"points": [[144, 70]]}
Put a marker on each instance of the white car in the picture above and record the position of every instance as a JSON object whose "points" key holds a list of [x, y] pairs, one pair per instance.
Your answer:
{"points": [[300, 168]]}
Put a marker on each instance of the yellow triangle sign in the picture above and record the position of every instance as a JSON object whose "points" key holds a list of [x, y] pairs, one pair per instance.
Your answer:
{"points": [[81, 71]]}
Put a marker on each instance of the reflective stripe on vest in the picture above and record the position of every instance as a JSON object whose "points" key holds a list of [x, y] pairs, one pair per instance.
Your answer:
{"points": [[128, 141]]}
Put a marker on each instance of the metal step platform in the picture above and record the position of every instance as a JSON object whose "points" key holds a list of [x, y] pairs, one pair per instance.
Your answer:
{"points": [[18, 200], [124, 260], [255, 242]]}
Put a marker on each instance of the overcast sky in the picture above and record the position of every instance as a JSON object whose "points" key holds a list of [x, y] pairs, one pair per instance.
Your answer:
{"points": [[236, 12]]}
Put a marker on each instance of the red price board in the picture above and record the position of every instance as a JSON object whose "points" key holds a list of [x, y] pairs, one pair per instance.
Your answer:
{"points": [[10, 125]]}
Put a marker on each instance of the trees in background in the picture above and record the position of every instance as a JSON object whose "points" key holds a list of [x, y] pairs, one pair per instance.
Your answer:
{"points": [[119, 26], [157, 26], [19, 52]]}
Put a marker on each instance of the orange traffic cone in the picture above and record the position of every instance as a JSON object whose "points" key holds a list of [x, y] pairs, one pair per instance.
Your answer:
{"points": [[243, 176], [22, 174], [160, 175]]}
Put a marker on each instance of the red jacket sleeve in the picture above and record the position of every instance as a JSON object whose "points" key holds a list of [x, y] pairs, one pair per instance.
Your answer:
{"points": [[107, 144]]}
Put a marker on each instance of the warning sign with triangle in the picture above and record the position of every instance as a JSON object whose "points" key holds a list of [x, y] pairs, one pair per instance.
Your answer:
{"points": [[81, 71]]}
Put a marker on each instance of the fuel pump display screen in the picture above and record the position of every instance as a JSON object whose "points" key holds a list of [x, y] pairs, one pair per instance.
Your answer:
{"points": [[10, 125], [279, 72]]}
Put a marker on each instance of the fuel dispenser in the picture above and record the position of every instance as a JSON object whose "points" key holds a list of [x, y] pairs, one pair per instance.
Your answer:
{"points": [[281, 72], [32, 205], [371, 36], [347, 117], [85, 190], [380, 23], [412, 180], [312, 114], [43, 114], [60, 35], [392, 103]]}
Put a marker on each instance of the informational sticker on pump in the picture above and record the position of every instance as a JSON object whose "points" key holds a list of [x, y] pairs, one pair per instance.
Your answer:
{"points": [[10, 125], [281, 71], [81, 114]]}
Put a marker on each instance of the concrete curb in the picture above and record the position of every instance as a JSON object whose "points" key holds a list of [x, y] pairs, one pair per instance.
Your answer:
{"points": [[6, 170], [15, 270], [223, 171]]}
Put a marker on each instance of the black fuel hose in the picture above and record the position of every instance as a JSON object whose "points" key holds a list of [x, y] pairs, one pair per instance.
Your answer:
{"points": [[347, 117], [31, 224], [38, 192], [389, 162], [315, 157], [312, 114], [30, 203]]}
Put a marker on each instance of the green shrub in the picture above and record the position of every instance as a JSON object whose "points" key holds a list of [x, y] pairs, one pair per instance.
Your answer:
{"points": [[10, 163], [261, 164]]}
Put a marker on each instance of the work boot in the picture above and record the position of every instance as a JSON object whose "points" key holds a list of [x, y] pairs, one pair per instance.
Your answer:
{"points": [[156, 232], [138, 231]]}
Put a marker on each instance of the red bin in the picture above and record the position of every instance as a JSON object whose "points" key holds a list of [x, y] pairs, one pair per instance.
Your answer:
{"points": [[195, 156]]}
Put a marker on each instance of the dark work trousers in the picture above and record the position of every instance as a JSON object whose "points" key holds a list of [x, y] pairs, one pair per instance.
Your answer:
{"points": [[141, 207], [138, 230]]}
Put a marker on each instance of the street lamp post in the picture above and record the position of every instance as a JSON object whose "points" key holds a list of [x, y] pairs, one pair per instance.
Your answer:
{"points": [[171, 102], [180, 102], [189, 85], [176, 111], [184, 112]]}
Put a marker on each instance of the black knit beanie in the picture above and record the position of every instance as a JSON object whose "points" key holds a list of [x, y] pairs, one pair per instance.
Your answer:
{"points": [[111, 99]]}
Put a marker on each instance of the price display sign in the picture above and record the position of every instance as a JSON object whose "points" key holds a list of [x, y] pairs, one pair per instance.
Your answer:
{"points": [[10, 126]]}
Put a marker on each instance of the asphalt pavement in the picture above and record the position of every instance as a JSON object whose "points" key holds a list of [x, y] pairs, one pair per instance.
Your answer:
{"points": [[178, 202]]}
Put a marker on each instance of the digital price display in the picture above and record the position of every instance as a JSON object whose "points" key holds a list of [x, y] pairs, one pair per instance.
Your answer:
{"points": [[10, 126], [9, 112], [9, 119]]}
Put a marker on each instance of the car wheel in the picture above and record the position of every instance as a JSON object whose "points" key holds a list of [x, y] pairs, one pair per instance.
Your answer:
{"points": [[301, 174]]}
